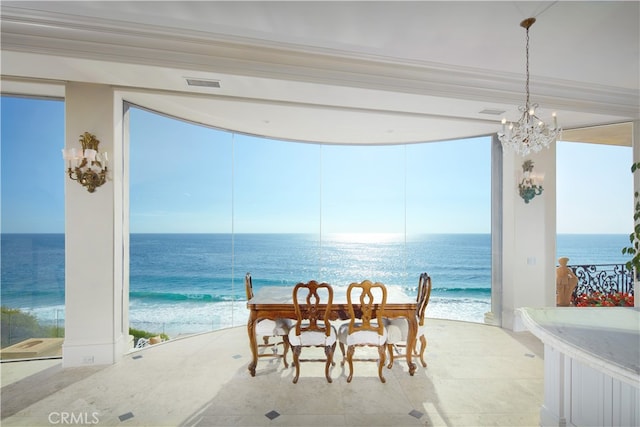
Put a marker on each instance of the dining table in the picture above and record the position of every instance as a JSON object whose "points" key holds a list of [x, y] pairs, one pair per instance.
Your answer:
{"points": [[276, 302]]}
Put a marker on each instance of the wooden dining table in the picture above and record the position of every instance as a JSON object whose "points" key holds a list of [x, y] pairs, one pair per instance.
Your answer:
{"points": [[276, 302]]}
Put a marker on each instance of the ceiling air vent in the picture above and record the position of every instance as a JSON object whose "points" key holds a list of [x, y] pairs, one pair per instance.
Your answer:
{"points": [[202, 82]]}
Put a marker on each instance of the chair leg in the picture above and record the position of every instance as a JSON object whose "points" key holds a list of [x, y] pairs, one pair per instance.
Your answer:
{"points": [[390, 348], [296, 361], [423, 346], [350, 350], [344, 358], [285, 340], [328, 351], [382, 351]]}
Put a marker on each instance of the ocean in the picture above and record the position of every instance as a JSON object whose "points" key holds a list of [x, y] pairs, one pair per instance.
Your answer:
{"points": [[190, 283]]}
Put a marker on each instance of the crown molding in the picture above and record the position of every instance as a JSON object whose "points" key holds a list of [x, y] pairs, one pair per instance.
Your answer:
{"points": [[48, 33]]}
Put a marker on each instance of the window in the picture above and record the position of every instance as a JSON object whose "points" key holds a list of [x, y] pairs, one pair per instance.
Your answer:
{"points": [[32, 225], [208, 206]]}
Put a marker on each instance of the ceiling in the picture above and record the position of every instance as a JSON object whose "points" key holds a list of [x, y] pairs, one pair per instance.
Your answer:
{"points": [[339, 72]]}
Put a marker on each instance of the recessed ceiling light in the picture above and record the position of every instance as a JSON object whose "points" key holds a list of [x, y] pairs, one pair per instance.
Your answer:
{"points": [[202, 82], [492, 112]]}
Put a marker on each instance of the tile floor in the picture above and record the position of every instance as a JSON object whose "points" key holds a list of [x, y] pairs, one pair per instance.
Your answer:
{"points": [[478, 375]]}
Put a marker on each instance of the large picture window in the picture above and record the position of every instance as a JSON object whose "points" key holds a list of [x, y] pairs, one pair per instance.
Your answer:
{"points": [[216, 205], [32, 242]]}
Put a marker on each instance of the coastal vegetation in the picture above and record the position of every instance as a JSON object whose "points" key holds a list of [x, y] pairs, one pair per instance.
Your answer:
{"points": [[139, 333], [16, 326]]}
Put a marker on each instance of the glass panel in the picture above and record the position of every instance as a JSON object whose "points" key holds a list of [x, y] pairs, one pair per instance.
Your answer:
{"points": [[180, 248], [288, 212], [32, 243], [449, 225], [276, 212], [363, 214]]}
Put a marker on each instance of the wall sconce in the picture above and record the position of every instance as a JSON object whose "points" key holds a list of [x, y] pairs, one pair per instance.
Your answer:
{"points": [[87, 166], [531, 184]]}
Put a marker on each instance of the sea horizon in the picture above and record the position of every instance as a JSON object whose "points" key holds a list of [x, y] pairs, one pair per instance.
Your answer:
{"points": [[194, 282]]}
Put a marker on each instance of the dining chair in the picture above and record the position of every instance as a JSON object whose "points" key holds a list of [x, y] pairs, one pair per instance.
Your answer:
{"points": [[312, 327], [267, 329], [365, 326], [398, 329]]}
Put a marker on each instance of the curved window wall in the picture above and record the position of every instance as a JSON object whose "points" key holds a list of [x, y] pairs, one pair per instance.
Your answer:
{"points": [[208, 206]]}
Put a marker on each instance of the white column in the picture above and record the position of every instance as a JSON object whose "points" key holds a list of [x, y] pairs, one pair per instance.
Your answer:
{"points": [[96, 292], [635, 142], [529, 238], [494, 317]]}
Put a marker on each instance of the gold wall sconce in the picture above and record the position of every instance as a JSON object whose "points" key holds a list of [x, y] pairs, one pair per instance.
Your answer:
{"points": [[87, 166], [531, 184]]}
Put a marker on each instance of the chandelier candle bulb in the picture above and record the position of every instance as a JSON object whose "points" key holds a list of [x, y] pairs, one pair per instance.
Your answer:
{"points": [[90, 155], [67, 157]]}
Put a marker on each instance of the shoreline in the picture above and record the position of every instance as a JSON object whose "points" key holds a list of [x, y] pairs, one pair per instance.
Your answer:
{"points": [[189, 317]]}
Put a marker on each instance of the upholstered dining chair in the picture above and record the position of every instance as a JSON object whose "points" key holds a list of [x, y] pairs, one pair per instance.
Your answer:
{"points": [[398, 329], [363, 328], [312, 327], [267, 329]]}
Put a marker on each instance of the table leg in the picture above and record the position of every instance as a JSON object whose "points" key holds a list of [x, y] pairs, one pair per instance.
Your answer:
{"points": [[411, 343], [253, 344]]}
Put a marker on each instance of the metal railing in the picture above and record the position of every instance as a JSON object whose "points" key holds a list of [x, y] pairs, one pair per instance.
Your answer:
{"points": [[602, 278]]}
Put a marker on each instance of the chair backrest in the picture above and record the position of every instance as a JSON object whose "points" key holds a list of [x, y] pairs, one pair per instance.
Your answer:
{"points": [[248, 286], [424, 293], [369, 302], [309, 308]]}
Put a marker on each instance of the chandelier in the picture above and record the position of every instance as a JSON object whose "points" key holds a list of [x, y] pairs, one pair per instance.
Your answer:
{"points": [[529, 134], [88, 167]]}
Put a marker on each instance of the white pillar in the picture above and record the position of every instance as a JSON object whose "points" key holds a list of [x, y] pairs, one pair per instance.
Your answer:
{"points": [[529, 238], [635, 143], [494, 317], [96, 291]]}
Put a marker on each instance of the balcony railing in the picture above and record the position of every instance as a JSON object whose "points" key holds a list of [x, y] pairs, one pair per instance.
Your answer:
{"points": [[603, 279]]}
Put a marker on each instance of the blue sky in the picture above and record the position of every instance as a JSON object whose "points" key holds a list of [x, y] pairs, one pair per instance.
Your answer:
{"points": [[188, 178]]}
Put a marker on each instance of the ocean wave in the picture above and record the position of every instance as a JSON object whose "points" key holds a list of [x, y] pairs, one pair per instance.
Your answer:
{"points": [[176, 296], [453, 292], [484, 291]]}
